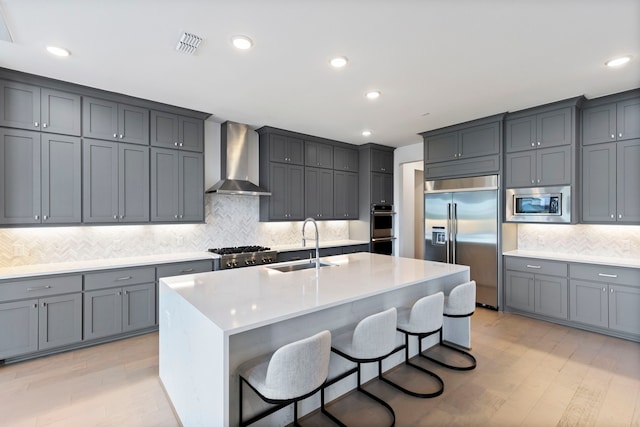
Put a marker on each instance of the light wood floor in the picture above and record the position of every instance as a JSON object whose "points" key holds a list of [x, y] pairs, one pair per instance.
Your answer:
{"points": [[530, 373]]}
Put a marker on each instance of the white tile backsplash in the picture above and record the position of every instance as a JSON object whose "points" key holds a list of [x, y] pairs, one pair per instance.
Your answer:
{"points": [[584, 239], [230, 221]]}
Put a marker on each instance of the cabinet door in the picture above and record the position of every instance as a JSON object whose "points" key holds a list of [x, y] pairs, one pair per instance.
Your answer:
{"points": [[381, 161], [99, 119], [19, 177], [133, 124], [164, 129], [599, 183], [520, 290], [191, 134], [439, 148], [345, 159], [553, 166], [138, 306], [554, 128], [551, 296], [520, 134], [381, 188], [628, 119], [100, 181], [191, 172], [318, 193], [102, 313], [624, 315], [628, 181], [60, 320], [60, 112], [295, 192], [19, 105], [520, 169], [345, 195], [599, 124], [18, 328], [133, 183], [480, 140], [61, 179], [589, 303], [278, 175], [286, 149], [165, 184]]}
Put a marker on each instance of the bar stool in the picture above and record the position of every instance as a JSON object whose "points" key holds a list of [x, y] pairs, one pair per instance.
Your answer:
{"points": [[372, 340], [293, 373], [461, 302], [422, 320]]}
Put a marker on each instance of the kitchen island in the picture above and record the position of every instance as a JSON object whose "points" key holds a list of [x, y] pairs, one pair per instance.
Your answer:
{"points": [[210, 323]]}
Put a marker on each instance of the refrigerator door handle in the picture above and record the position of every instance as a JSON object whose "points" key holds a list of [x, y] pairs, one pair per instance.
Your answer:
{"points": [[454, 233], [448, 232]]}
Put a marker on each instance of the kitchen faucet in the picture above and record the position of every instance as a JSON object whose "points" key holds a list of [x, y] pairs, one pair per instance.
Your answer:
{"points": [[304, 240]]}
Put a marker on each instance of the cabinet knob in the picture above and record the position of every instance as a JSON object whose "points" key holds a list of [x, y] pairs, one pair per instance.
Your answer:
{"points": [[604, 289], [115, 135], [620, 135], [121, 216], [45, 217], [121, 136], [115, 217], [175, 216], [538, 181], [118, 293], [533, 144], [36, 124], [611, 290], [455, 155], [35, 305], [181, 144], [538, 142], [36, 217], [175, 144], [44, 125], [612, 216], [532, 181], [619, 216], [181, 216], [613, 135]]}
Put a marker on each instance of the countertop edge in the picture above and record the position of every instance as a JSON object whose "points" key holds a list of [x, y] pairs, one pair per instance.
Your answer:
{"points": [[583, 259]]}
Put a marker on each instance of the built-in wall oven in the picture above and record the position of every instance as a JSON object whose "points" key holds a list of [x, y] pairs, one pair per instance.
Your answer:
{"points": [[382, 229]]}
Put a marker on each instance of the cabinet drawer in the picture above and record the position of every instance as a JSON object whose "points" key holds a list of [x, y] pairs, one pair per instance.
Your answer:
{"points": [[606, 274], [537, 266], [178, 269], [120, 277], [35, 288]]}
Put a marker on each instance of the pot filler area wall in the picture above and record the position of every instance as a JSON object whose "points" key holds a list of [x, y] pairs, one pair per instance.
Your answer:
{"points": [[230, 221]]}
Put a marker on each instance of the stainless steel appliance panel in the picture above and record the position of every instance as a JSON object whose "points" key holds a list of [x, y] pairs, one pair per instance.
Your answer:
{"points": [[559, 213], [436, 226]]}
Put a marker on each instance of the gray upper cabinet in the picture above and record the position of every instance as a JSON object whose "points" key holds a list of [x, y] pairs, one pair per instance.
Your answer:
{"points": [[628, 181], [543, 130], [381, 188], [286, 183], [443, 147], [286, 149], [549, 166], [614, 121], [175, 131], [108, 120], [318, 193], [381, 161], [177, 186], [345, 159], [41, 178], [32, 108], [345, 195], [115, 182], [318, 154]]}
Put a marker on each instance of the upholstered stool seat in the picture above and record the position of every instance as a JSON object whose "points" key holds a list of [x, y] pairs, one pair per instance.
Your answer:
{"points": [[294, 372]]}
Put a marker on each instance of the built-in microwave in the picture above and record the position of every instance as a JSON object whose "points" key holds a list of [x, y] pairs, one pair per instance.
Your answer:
{"points": [[540, 204]]}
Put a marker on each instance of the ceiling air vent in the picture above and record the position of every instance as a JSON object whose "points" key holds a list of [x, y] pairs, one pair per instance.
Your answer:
{"points": [[188, 43]]}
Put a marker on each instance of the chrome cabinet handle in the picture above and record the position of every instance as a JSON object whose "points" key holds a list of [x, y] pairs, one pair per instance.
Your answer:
{"points": [[121, 136], [611, 290], [118, 293], [115, 135], [533, 144], [619, 215], [187, 270], [36, 124], [44, 304], [121, 216], [37, 217], [613, 136], [44, 125], [620, 135], [613, 276], [181, 144], [35, 305], [612, 216], [175, 144], [604, 289], [45, 217], [533, 266], [115, 217], [538, 143], [38, 288], [124, 278]]}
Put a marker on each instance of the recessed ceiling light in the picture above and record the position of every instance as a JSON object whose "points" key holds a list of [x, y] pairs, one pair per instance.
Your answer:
{"points": [[242, 42], [618, 61], [58, 51], [374, 94], [339, 61], [366, 133]]}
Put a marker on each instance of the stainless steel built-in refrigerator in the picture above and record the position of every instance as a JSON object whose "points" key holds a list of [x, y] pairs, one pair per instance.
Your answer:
{"points": [[461, 227]]}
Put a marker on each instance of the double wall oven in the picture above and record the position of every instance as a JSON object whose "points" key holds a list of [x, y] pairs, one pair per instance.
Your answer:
{"points": [[381, 223]]}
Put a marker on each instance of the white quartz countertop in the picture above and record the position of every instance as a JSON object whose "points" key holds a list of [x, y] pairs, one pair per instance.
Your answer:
{"points": [[247, 298], [100, 264], [311, 245], [588, 259]]}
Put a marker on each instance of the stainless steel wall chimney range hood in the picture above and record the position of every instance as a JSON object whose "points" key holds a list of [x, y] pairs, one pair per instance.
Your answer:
{"points": [[234, 158]]}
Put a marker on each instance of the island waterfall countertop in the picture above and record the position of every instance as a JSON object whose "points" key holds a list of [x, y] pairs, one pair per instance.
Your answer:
{"points": [[210, 323]]}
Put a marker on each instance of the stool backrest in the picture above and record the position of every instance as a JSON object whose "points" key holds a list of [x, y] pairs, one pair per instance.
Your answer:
{"points": [[375, 335], [426, 313], [462, 299], [300, 367]]}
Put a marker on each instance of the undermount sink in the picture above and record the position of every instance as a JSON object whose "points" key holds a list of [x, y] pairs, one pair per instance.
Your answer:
{"points": [[299, 266]]}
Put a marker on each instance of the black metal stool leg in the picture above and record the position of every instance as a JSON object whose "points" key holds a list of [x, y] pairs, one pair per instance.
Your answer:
{"points": [[468, 355]]}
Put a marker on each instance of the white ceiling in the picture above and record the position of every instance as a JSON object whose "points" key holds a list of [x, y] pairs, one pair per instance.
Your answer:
{"points": [[457, 60]]}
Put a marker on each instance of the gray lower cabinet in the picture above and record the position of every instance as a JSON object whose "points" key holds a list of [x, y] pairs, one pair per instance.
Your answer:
{"points": [[109, 120], [178, 132], [549, 166], [115, 182], [177, 186], [536, 286], [345, 195], [606, 297], [39, 314], [40, 178], [318, 193], [610, 176]]}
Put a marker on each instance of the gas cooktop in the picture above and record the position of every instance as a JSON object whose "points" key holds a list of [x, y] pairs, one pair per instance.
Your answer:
{"points": [[244, 256]]}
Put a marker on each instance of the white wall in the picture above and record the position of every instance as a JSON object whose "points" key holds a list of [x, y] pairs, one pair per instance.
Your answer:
{"points": [[404, 199]]}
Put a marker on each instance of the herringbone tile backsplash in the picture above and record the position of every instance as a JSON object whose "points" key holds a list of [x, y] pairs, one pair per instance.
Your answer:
{"points": [[230, 221]]}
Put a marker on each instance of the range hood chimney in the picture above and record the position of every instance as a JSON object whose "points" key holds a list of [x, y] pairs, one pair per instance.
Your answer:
{"points": [[234, 157]]}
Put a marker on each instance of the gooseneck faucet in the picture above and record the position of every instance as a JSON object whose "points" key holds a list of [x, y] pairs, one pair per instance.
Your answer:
{"points": [[304, 240]]}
